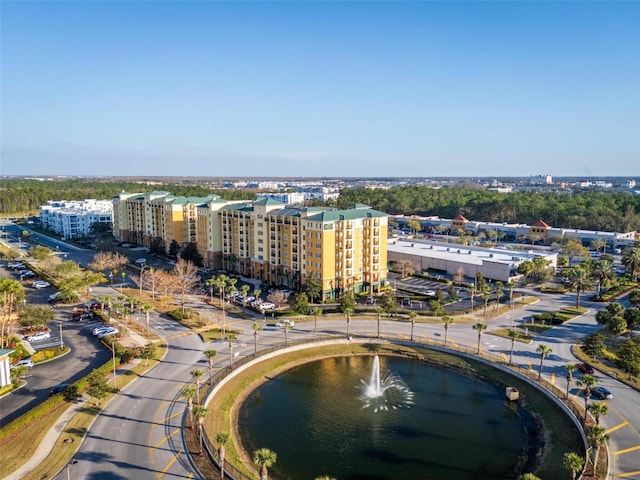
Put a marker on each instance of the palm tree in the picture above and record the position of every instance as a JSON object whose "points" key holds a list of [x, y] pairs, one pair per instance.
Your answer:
{"points": [[596, 438], [287, 327], [499, 292], [211, 283], [528, 476], [579, 281], [221, 439], [599, 409], [200, 412], [379, 311], [570, 367], [447, 320], [196, 375], [189, 391], [231, 337], [588, 382], [412, 317], [602, 271], [515, 335], [480, 327], [210, 355], [544, 351], [264, 458], [573, 462], [631, 260], [317, 311], [256, 332]]}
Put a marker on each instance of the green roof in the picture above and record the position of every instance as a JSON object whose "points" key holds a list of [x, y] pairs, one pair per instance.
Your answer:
{"points": [[269, 201], [350, 214]]}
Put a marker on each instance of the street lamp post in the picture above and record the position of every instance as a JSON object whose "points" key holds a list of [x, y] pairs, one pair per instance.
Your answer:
{"points": [[113, 353], [61, 342], [73, 462]]}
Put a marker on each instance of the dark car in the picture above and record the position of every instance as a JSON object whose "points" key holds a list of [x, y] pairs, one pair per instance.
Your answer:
{"points": [[584, 368], [58, 388], [601, 393]]}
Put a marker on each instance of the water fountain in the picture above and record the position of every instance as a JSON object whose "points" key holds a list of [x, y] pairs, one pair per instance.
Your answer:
{"points": [[384, 391]]}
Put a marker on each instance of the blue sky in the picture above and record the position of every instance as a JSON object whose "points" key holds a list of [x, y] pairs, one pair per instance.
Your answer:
{"points": [[320, 88]]}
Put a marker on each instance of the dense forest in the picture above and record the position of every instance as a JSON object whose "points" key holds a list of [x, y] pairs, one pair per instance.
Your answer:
{"points": [[25, 196], [588, 209]]}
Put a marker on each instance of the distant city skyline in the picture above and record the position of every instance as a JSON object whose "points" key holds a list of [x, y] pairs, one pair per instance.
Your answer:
{"points": [[320, 89]]}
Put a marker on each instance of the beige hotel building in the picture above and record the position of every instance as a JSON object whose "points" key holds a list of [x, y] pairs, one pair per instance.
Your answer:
{"points": [[265, 240]]}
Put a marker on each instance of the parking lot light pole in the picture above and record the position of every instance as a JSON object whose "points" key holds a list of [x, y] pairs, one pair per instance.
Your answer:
{"points": [[61, 342], [73, 462], [113, 353]]}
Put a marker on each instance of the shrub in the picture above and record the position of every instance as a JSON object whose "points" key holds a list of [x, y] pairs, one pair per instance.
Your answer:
{"points": [[187, 315]]}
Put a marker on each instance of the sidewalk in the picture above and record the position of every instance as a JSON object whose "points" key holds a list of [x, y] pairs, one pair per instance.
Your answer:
{"points": [[48, 441]]}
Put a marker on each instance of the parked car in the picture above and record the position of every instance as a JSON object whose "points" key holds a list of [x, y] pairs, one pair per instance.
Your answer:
{"points": [[109, 331], [58, 388], [267, 306], [430, 293], [286, 322], [141, 261], [25, 362], [95, 306], [38, 336], [99, 329], [585, 368], [601, 393], [27, 274], [41, 284]]}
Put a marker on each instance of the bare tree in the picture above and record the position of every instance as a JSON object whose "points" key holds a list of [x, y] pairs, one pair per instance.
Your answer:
{"points": [[166, 284], [186, 278], [278, 298]]}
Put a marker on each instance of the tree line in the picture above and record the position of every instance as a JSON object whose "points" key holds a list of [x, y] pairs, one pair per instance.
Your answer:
{"points": [[18, 196], [588, 210]]}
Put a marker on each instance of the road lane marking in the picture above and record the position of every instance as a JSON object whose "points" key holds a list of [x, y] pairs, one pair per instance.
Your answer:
{"points": [[166, 438], [627, 474], [168, 466], [617, 427], [627, 450]]}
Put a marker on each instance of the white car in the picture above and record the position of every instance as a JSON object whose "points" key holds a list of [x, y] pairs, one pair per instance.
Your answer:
{"points": [[430, 293], [97, 330], [38, 336], [141, 261], [109, 331], [41, 284], [267, 306], [27, 362], [284, 323]]}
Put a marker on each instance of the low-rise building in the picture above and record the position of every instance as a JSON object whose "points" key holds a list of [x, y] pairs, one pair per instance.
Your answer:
{"points": [[73, 218]]}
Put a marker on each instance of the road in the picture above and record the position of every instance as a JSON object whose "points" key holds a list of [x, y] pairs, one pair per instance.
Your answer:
{"points": [[138, 433]]}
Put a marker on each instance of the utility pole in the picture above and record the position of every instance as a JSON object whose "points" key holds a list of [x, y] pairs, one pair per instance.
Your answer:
{"points": [[113, 352], [61, 342]]}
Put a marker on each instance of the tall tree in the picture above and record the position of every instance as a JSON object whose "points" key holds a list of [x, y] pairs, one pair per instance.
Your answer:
{"points": [[598, 409], [570, 368], [11, 294], [588, 382], [230, 338], [480, 327], [221, 439], [313, 289], [579, 281], [514, 335], [596, 438], [186, 278], [197, 375], [199, 412], [544, 352], [572, 462], [448, 321], [210, 355], [264, 458], [190, 392], [257, 328], [631, 260]]}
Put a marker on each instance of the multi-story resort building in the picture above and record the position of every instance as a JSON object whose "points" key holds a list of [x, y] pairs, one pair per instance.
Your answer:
{"points": [[73, 219], [265, 239]]}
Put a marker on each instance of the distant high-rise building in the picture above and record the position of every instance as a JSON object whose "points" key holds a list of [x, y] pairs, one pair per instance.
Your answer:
{"points": [[541, 180]]}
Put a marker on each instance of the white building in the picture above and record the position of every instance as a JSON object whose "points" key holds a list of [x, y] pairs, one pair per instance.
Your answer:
{"points": [[290, 198], [541, 180], [499, 264], [73, 218]]}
